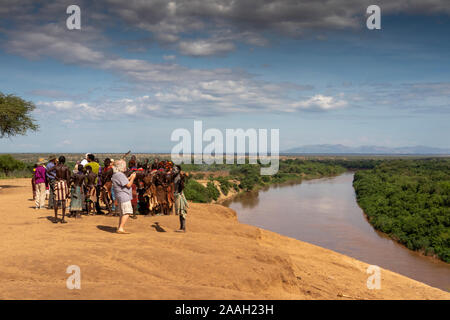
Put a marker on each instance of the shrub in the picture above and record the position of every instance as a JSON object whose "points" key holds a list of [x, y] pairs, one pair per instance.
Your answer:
{"points": [[9, 164], [225, 185], [199, 176], [196, 192], [212, 191]]}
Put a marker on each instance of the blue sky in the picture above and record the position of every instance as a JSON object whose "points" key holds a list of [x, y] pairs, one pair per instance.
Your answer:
{"points": [[137, 70]]}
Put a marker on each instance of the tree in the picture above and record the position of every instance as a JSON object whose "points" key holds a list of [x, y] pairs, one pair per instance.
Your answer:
{"points": [[9, 164], [15, 116]]}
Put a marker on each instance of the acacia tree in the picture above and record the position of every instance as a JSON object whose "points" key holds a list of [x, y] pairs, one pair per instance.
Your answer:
{"points": [[15, 116]]}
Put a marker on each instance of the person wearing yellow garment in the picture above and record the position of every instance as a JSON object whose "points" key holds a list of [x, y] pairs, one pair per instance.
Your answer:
{"points": [[94, 165], [95, 169]]}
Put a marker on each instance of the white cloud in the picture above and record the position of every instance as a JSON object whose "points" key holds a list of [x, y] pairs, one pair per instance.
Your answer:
{"points": [[226, 22], [59, 105], [194, 103], [205, 47], [321, 102], [174, 88]]}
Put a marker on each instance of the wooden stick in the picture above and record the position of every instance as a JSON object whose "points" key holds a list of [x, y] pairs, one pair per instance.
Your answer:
{"points": [[125, 155]]}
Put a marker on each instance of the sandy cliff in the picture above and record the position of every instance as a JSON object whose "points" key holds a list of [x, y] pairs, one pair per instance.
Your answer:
{"points": [[218, 258]]}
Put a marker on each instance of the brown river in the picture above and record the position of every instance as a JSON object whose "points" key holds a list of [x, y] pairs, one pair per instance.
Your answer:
{"points": [[324, 212]]}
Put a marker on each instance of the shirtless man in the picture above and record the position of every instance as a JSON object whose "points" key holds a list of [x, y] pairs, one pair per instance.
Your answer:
{"points": [[170, 189], [106, 189], [61, 191], [161, 189], [155, 164], [91, 194]]}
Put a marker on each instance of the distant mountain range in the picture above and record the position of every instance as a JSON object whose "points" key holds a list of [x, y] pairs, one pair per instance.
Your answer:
{"points": [[339, 148]]}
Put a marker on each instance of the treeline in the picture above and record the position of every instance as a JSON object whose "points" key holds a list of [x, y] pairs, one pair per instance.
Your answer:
{"points": [[11, 167], [410, 201], [247, 177]]}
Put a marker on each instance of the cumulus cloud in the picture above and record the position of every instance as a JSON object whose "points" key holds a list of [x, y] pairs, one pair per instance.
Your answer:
{"points": [[215, 26], [205, 47], [321, 102], [287, 17], [195, 28], [194, 102], [207, 91], [52, 40]]}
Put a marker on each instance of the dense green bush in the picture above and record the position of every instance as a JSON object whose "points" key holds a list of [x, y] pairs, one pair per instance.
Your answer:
{"points": [[410, 201], [225, 185], [212, 191], [198, 176], [10, 165], [196, 192]]}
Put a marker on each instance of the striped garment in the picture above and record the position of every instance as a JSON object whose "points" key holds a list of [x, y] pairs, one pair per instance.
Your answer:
{"points": [[61, 190]]}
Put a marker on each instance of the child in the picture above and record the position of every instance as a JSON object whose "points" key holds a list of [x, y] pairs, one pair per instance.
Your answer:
{"points": [[142, 201], [77, 192], [91, 194]]}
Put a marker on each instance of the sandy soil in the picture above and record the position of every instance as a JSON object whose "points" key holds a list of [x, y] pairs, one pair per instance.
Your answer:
{"points": [[218, 258]]}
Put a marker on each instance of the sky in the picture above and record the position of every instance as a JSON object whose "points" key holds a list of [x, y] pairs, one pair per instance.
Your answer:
{"points": [[138, 70]]}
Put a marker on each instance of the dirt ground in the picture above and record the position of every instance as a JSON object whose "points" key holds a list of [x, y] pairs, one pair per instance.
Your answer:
{"points": [[218, 258]]}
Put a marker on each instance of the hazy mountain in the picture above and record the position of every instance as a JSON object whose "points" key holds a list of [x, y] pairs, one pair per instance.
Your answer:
{"points": [[339, 148]]}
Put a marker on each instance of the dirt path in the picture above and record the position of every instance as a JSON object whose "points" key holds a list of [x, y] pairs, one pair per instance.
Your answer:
{"points": [[218, 258]]}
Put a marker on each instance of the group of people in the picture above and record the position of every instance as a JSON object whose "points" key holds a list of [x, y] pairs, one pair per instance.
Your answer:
{"points": [[139, 188]]}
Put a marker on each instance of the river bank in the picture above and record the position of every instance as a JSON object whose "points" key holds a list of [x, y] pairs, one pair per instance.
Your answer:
{"points": [[232, 194], [218, 258], [324, 212]]}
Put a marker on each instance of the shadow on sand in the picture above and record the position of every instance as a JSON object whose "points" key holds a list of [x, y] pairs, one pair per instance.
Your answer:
{"points": [[107, 229], [52, 219], [157, 227], [6, 186]]}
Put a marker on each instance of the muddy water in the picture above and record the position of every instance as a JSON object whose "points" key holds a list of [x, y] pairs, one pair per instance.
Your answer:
{"points": [[324, 212]]}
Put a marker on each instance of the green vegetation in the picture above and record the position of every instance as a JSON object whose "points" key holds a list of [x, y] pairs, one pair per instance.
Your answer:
{"points": [[195, 191], [248, 177], [15, 118], [225, 185], [13, 168], [212, 191], [410, 201]]}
